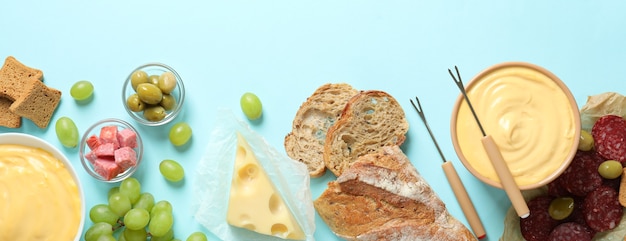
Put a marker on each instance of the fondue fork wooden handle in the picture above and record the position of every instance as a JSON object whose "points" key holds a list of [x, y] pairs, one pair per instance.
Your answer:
{"points": [[505, 176], [455, 181], [464, 200]]}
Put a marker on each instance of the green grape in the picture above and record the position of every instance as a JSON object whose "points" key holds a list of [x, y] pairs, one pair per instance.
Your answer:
{"points": [[112, 191], [136, 218], [97, 230], [560, 208], [162, 205], [122, 238], [135, 235], [146, 201], [67, 132], [166, 237], [171, 170], [180, 133], [119, 204], [138, 77], [175, 239], [586, 141], [160, 223], [251, 106], [81, 90], [131, 188], [102, 213], [106, 237], [610, 169], [197, 236]]}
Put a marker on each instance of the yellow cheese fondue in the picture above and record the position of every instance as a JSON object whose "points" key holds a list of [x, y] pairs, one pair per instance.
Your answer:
{"points": [[531, 119], [39, 199]]}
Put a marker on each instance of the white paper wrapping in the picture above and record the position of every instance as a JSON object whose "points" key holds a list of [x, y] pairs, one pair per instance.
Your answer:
{"points": [[213, 180]]}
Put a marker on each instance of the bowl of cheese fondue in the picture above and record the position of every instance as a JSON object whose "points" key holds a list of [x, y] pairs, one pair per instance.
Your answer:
{"points": [[42, 198], [531, 115]]}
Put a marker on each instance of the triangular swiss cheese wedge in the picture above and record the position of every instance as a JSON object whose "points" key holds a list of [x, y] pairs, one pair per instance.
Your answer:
{"points": [[254, 202]]}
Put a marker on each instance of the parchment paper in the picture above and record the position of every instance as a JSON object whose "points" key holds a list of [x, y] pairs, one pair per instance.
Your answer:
{"points": [[214, 173]]}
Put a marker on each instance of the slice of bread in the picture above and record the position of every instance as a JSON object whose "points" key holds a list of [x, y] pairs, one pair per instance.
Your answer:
{"points": [[38, 103], [371, 119], [383, 197], [319, 112], [7, 117], [14, 76]]}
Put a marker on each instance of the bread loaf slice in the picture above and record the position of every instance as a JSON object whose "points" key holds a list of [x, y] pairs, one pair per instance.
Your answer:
{"points": [[321, 110], [383, 197], [371, 119]]}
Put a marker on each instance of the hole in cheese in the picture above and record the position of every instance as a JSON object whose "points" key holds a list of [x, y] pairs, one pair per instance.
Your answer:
{"points": [[249, 226], [248, 172], [279, 230], [276, 204]]}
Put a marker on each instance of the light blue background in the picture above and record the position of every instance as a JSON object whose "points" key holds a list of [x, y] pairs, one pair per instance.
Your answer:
{"points": [[284, 50]]}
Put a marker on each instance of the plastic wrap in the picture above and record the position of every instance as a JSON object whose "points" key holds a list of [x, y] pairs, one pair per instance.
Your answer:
{"points": [[214, 175]]}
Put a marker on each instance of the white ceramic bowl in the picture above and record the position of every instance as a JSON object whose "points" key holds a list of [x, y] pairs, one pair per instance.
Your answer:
{"points": [[32, 141]]}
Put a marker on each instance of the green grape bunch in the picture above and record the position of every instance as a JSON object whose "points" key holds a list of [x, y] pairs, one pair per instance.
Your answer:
{"points": [[132, 215]]}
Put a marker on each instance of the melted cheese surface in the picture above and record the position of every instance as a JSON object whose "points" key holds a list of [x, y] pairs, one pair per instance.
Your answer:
{"points": [[529, 117], [39, 199]]}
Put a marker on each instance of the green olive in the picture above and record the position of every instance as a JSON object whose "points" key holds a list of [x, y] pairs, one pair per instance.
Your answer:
{"points": [[134, 103], [154, 113], [137, 78], [149, 93], [168, 102], [561, 207], [153, 79], [610, 169], [586, 141], [167, 82]]}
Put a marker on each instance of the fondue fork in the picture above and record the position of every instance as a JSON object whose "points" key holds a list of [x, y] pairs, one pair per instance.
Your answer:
{"points": [[495, 156], [455, 182]]}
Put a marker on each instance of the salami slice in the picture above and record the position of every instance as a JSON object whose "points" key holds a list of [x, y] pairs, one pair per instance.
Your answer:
{"points": [[609, 135], [539, 224], [602, 209], [571, 232], [582, 177]]}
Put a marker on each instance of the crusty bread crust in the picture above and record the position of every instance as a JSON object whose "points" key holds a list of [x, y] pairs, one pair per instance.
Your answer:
{"points": [[321, 110], [371, 119], [383, 197]]}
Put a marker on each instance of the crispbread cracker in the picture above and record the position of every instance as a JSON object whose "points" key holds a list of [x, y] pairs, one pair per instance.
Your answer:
{"points": [[14, 77], [38, 104], [7, 117]]}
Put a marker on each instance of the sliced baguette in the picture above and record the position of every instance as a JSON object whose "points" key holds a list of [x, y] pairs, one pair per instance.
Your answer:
{"points": [[383, 197], [321, 110], [371, 119]]}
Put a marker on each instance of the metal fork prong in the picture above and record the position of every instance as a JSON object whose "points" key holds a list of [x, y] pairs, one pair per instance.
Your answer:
{"points": [[419, 110], [459, 82]]}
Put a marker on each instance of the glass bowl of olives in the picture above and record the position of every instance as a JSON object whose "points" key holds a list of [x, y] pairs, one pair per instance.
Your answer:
{"points": [[153, 94]]}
